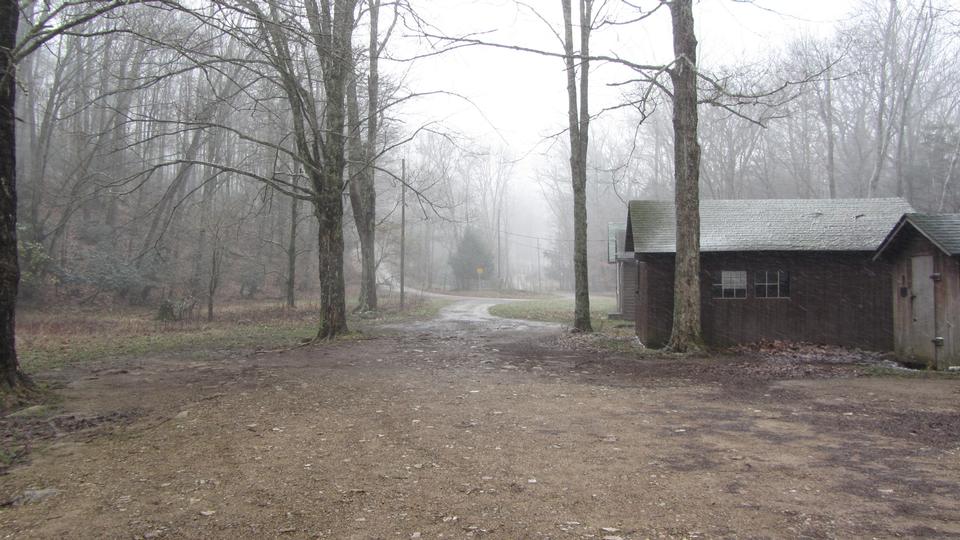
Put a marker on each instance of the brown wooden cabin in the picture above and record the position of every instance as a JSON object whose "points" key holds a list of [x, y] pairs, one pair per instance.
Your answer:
{"points": [[793, 270], [924, 250]]}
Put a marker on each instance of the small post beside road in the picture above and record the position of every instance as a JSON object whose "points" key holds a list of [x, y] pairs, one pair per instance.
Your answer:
{"points": [[403, 222]]}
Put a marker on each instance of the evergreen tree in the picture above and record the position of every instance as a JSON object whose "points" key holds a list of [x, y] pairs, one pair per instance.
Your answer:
{"points": [[472, 261]]}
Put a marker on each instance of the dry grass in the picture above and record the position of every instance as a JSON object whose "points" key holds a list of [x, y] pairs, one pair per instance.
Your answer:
{"points": [[608, 335], [556, 310], [54, 337]]}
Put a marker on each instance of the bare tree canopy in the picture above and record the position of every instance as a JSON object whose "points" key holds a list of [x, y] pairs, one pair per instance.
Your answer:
{"points": [[158, 153]]}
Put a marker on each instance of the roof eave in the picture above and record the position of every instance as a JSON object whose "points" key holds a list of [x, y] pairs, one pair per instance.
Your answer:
{"points": [[896, 231], [764, 250]]}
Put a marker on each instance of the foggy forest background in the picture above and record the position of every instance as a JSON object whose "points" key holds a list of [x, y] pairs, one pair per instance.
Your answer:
{"points": [[154, 147]]}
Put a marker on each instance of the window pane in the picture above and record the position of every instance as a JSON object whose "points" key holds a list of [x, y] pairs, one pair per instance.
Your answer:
{"points": [[734, 280], [772, 284], [733, 284]]}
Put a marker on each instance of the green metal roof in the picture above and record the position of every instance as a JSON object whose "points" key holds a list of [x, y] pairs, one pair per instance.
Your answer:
{"points": [[943, 230], [769, 224]]}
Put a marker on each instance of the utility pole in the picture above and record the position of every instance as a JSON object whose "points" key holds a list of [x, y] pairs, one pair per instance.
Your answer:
{"points": [[499, 260], [539, 281], [403, 222]]}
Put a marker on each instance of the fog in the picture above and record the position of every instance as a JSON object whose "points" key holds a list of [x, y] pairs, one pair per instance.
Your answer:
{"points": [[171, 154]]}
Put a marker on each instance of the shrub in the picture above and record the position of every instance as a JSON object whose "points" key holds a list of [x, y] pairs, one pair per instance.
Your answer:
{"points": [[472, 254], [34, 267]]}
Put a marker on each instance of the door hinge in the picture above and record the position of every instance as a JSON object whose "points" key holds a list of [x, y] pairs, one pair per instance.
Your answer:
{"points": [[937, 341], [935, 277]]}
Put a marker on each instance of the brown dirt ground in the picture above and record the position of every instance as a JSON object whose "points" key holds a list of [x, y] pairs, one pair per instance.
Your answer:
{"points": [[499, 433]]}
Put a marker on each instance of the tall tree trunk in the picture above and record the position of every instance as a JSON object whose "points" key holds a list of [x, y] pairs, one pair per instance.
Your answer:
{"points": [[161, 215], [292, 251], [333, 317], [941, 206], [363, 196], [579, 127], [363, 202], [828, 121], [686, 335], [882, 134], [914, 60], [328, 186], [901, 146], [41, 142], [10, 375], [206, 218], [216, 259], [428, 239]]}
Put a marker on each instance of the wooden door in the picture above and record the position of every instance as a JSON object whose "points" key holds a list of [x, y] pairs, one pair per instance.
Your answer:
{"points": [[922, 316]]}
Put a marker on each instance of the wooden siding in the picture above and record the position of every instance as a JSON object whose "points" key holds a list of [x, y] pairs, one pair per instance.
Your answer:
{"points": [[654, 300], [628, 290], [949, 301], [946, 308], [835, 298]]}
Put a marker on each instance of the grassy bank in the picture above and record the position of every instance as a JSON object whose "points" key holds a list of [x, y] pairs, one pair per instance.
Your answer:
{"points": [[48, 339], [555, 310]]}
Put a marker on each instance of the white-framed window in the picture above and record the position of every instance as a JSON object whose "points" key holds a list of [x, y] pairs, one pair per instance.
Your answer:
{"points": [[772, 284], [732, 284]]}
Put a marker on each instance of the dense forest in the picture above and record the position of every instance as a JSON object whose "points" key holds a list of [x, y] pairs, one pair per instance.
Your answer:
{"points": [[191, 155]]}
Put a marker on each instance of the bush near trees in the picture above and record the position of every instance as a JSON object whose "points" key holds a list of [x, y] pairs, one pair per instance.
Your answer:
{"points": [[34, 262], [472, 262]]}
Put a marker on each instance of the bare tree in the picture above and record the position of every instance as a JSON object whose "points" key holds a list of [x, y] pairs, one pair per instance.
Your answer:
{"points": [[363, 155], [686, 333], [9, 267], [883, 128], [319, 138], [578, 113], [292, 251], [55, 20]]}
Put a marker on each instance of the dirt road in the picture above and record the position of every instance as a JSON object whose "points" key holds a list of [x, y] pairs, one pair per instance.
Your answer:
{"points": [[471, 318], [472, 426]]}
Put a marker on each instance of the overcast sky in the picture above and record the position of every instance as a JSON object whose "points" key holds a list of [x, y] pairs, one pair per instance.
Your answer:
{"points": [[516, 100]]}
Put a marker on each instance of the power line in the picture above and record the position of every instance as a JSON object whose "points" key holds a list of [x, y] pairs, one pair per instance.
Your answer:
{"points": [[529, 237]]}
